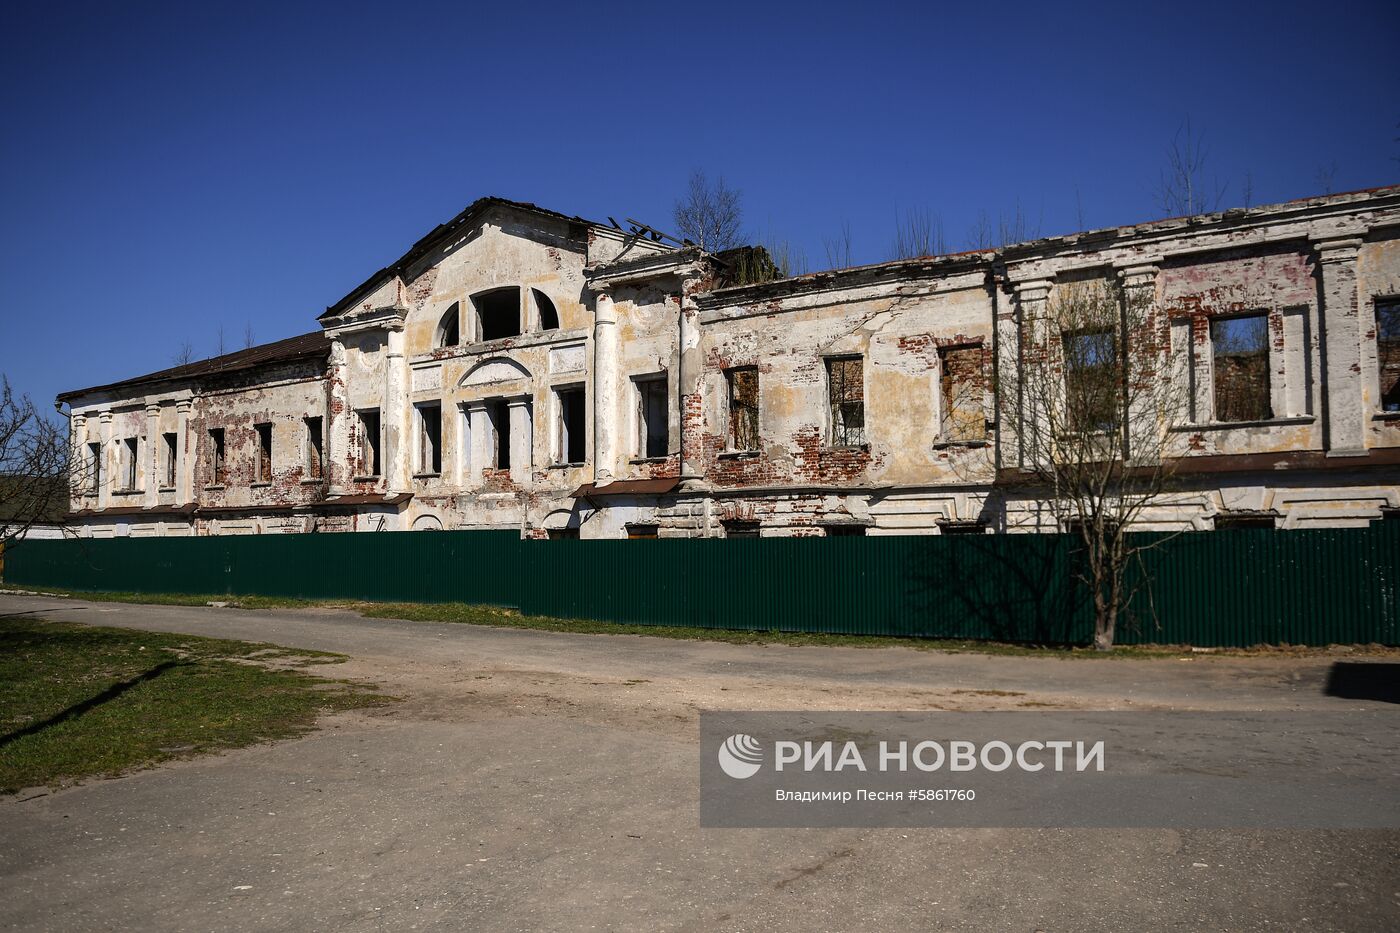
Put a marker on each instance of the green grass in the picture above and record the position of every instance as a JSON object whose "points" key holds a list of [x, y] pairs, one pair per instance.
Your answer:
{"points": [[79, 701]]}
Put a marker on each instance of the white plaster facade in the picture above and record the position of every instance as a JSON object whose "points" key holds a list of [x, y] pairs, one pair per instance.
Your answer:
{"points": [[521, 369]]}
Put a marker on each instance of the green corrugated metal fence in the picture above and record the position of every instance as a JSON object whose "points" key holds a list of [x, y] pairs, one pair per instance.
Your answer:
{"points": [[1212, 589]]}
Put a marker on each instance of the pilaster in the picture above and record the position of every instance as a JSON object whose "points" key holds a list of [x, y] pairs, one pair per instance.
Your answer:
{"points": [[1345, 425], [604, 387]]}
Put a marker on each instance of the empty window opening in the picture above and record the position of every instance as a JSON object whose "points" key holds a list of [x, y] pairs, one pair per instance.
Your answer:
{"points": [[1093, 398], [430, 438], [498, 313], [264, 432], [498, 412], [217, 462], [1240, 347], [1388, 352], [571, 439], [847, 530], [961, 384], [743, 408], [315, 449], [741, 529], [548, 316], [563, 534], [129, 458], [94, 465], [369, 442], [1226, 521], [653, 435], [962, 528], [449, 331], [643, 531], [845, 377], [169, 446]]}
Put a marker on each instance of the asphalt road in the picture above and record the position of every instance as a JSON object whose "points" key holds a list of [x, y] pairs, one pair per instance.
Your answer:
{"points": [[540, 781]]}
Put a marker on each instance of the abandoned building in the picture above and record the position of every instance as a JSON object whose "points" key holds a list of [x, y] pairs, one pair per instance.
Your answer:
{"points": [[519, 368]]}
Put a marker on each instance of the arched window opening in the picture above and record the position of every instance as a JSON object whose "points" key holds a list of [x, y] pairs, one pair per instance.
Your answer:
{"points": [[498, 313], [549, 317], [449, 332]]}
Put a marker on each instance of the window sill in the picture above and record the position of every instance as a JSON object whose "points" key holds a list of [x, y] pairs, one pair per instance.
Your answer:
{"points": [[1230, 425], [127, 492], [566, 466], [314, 481], [944, 445], [1386, 416], [737, 455], [427, 475], [640, 460], [364, 479], [166, 489], [846, 448], [215, 487], [260, 485]]}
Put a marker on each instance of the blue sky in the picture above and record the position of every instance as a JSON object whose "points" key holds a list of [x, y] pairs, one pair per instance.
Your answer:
{"points": [[168, 169]]}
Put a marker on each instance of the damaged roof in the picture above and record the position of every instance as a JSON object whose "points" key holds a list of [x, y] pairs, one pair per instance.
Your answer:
{"points": [[306, 346], [435, 236]]}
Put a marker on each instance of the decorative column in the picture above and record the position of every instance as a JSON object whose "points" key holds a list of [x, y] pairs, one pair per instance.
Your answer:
{"points": [[79, 474], [184, 444], [690, 388], [1345, 425], [522, 440], [338, 416], [604, 387], [104, 466], [1028, 347], [1148, 344], [152, 457], [479, 437], [398, 435]]}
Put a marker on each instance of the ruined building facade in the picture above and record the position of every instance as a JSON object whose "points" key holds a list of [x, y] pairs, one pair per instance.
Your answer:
{"points": [[518, 368]]}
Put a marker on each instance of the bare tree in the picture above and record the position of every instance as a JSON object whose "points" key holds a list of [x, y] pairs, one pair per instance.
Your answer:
{"points": [[1183, 189], [917, 232], [219, 348], [1008, 229], [184, 354], [248, 341], [34, 481], [711, 214], [838, 248], [1247, 191], [1326, 177], [1097, 397]]}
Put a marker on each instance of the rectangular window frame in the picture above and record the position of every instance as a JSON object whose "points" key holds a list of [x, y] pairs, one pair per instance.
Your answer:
{"points": [[742, 434], [130, 459], [218, 458], [314, 452], [428, 419], [743, 528], [653, 389], [94, 466], [1079, 416], [170, 446], [1388, 354], [370, 427], [847, 428], [971, 429], [262, 433], [1236, 415], [565, 442]]}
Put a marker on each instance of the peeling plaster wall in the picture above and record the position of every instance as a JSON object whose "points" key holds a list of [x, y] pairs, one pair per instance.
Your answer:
{"points": [[1314, 268]]}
